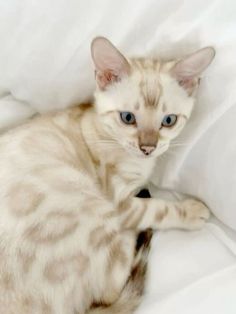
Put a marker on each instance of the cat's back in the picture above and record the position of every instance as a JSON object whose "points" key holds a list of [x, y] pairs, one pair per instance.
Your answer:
{"points": [[54, 137]]}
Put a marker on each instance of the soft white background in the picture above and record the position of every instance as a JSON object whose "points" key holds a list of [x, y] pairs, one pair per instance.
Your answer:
{"points": [[45, 64]]}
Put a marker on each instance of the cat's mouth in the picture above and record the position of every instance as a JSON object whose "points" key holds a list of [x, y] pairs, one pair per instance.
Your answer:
{"points": [[135, 151]]}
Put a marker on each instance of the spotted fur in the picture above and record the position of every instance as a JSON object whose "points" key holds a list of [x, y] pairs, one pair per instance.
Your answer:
{"points": [[69, 217]]}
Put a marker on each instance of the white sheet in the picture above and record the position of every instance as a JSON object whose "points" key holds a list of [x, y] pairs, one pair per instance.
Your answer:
{"points": [[192, 273], [45, 64]]}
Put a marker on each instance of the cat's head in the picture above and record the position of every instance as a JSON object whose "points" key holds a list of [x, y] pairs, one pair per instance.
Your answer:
{"points": [[145, 103]]}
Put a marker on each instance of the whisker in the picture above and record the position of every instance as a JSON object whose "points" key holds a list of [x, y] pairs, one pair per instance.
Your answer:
{"points": [[177, 145], [111, 143], [179, 142]]}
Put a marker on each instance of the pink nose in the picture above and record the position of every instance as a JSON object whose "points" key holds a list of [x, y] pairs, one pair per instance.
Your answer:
{"points": [[147, 150]]}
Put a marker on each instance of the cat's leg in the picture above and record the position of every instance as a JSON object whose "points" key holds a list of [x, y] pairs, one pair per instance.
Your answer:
{"points": [[153, 213]]}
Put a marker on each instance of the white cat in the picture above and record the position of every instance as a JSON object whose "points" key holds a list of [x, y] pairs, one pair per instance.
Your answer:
{"points": [[69, 218]]}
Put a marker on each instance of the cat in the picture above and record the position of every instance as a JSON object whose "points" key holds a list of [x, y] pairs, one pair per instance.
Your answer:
{"points": [[69, 218]]}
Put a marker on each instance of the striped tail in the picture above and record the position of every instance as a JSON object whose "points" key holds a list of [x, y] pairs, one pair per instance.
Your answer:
{"points": [[132, 293]]}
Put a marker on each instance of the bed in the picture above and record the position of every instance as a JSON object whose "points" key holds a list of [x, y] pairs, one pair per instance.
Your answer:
{"points": [[45, 65]]}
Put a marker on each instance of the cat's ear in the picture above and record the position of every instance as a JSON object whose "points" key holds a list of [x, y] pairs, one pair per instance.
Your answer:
{"points": [[110, 64], [188, 70]]}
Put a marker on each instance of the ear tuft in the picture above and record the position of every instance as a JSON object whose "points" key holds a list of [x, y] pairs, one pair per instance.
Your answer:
{"points": [[188, 70], [110, 64]]}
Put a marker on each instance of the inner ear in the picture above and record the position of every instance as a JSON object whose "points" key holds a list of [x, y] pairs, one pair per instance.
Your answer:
{"points": [[188, 70], [110, 65]]}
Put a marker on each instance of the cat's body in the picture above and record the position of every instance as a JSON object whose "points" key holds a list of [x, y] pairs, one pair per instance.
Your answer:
{"points": [[68, 216]]}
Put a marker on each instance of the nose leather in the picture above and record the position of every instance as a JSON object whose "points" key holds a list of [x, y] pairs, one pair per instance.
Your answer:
{"points": [[147, 150]]}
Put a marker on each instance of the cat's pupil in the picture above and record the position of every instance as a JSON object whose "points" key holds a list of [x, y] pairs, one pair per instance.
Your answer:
{"points": [[128, 117], [168, 120]]}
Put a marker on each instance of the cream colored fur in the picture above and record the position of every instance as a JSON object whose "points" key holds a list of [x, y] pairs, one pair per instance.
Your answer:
{"points": [[68, 215]]}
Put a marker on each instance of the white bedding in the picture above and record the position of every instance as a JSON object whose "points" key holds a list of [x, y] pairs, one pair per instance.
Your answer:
{"points": [[191, 273], [45, 64]]}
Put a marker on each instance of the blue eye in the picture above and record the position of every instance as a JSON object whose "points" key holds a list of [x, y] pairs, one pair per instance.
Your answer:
{"points": [[169, 120], [127, 117]]}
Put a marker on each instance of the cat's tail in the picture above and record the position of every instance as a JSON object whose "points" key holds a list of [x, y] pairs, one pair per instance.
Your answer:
{"points": [[132, 293]]}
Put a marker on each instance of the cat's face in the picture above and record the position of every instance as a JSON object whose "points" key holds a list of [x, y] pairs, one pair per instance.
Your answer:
{"points": [[144, 104]]}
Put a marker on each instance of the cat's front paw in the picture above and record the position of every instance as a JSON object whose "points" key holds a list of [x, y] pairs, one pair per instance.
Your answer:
{"points": [[193, 214]]}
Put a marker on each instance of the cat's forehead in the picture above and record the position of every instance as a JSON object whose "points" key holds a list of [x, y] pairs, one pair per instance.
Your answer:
{"points": [[146, 75], [157, 90]]}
